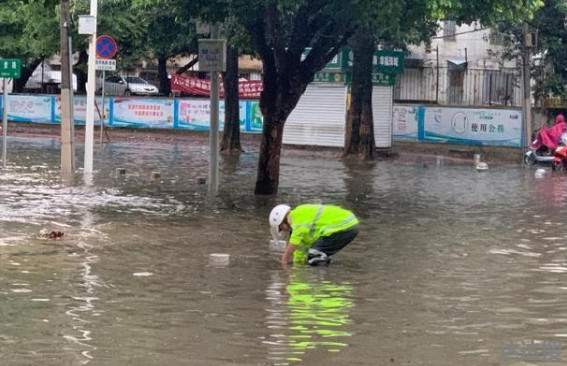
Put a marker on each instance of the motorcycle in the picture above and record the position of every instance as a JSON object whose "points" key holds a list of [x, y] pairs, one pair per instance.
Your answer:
{"points": [[559, 162]]}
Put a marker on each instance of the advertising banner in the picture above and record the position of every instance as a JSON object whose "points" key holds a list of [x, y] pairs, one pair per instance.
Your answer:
{"points": [[405, 123], [142, 112], [80, 110], [255, 118], [196, 114], [30, 108], [200, 87], [496, 127]]}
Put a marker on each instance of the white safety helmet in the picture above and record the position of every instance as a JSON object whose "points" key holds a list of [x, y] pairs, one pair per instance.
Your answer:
{"points": [[277, 215]]}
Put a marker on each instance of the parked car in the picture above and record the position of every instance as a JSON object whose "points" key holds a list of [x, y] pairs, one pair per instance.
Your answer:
{"points": [[126, 85]]}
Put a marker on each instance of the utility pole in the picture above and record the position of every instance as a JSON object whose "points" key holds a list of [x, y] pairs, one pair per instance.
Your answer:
{"points": [[91, 81], [527, 100], [67, 161], [214, 127]]}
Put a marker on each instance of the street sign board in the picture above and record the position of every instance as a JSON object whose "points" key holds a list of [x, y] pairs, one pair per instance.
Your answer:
{"points": [[378, 79], [389, 62], [105, 64], [87, 24], [10, 68], [329, 77], [212, 55], [384, 61], [106, 47]]}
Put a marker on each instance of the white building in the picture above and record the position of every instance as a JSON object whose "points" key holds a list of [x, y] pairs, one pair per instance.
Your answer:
{"points": [[464, 65]]}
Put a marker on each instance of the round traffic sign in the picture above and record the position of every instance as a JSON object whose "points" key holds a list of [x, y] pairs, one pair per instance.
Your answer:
{"points": [[106, 47]]}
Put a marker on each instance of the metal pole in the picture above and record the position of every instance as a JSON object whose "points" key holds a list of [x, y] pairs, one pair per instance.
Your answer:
{"points": [[437, 76], [214, 127], [527, 125], [66, 86], [91, 81], [72, 109], [103, 109], [4, 122]]}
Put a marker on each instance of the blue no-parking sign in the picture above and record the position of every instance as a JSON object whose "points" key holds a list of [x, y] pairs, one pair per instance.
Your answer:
{"points": [[106, 47]]}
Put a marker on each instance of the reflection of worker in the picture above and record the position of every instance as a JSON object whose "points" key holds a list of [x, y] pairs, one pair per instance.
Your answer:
{"points": [[317, 231], [315, 315]]}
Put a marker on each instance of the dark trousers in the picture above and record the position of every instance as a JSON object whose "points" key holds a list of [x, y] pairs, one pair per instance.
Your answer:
{"points": [[333, 243]]}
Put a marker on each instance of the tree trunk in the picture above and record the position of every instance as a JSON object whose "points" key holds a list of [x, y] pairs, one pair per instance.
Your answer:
{"points": [[231, 133], [81, 71], [27, 71], [277, 102], [164, 86], [359, 134], [267, 180]]}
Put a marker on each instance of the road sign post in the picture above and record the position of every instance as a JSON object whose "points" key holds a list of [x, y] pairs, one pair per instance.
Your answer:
{"points": [[212, 57], [106, 49], [9, 69]]}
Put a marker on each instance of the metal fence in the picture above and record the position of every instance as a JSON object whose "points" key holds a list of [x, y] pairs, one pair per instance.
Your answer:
{"points": [[453, 86]]}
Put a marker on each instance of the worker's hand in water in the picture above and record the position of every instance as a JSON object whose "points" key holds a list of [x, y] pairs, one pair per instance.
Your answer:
{"points": [[287, 255]]}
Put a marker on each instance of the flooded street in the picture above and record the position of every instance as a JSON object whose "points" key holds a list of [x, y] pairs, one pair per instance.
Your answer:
{"points": [[451, 267]]}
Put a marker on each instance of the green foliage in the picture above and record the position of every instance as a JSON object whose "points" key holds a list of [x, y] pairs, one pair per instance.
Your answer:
{"points": [[548, 23], [29, 29]]}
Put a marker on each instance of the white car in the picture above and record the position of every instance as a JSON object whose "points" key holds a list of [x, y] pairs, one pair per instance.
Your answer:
{"points": [[126, 85]]}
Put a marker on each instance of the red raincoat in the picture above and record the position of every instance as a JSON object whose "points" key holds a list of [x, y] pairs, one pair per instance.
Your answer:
{"points": [[550, 137]]}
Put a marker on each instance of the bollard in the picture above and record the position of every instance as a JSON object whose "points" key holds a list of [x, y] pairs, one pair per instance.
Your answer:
{"points": [[120, 172], [476, 159]]}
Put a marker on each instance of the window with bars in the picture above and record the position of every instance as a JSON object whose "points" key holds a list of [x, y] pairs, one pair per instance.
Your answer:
{"points": [[449, 30]]}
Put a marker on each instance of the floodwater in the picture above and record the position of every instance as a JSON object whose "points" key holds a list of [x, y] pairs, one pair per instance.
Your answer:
{"points": [[451, 267]]}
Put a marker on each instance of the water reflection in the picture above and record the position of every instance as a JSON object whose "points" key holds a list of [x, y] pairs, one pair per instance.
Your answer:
{"points": [[83, 304], [307, 313]]}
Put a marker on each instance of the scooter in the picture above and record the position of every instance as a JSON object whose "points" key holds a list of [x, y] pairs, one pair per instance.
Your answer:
{"points": [[539, 156], [559, 162]]}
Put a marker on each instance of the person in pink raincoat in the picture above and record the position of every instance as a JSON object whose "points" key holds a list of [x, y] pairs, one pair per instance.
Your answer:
{"points": [[551, 136]]}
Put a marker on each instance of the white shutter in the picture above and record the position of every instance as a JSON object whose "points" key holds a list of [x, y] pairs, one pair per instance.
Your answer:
{"points": [[382, 109], [318, 118]]}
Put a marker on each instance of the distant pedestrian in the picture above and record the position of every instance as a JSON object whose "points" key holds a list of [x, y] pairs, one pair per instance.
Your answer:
{"points": [[316, 231]]}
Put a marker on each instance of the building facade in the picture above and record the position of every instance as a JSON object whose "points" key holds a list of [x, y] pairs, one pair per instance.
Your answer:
{"points": [[464, 65]]}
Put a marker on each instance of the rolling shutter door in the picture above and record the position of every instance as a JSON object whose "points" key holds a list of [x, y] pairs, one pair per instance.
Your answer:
{"points": [[382, 109], [319, 117]]}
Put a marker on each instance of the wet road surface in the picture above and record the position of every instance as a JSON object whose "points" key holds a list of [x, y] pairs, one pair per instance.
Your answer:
{"points": [[451, 267]]}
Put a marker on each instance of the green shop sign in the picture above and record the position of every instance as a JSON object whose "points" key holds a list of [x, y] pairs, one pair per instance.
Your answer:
{"points": [[378, 79], [10, 68], [389, 62], [384, 61], [329, 77]]}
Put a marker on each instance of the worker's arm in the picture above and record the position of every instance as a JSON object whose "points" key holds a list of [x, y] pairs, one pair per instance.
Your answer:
{"points": [[287, 255]]}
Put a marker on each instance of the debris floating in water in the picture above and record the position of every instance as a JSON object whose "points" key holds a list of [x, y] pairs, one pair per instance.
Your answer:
{"points": [[142, 274], [540, 173], [481, 166], [219, 259], [53, 234]]}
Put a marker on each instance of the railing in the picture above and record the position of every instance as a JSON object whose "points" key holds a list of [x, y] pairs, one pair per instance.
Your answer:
{"points": [[472, 87]]}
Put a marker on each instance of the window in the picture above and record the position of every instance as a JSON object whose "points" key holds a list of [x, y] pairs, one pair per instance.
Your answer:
{"points": [[449, 30], [496, 38], [456, 86]]}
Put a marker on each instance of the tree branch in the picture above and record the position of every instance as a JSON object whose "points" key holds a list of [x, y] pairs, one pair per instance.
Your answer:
{"points": [[188, 65]]}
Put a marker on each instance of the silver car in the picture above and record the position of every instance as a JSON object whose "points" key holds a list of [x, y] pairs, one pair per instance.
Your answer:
{"points": [[127, 85]]}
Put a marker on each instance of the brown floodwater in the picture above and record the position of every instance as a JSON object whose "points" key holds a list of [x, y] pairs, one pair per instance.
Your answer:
{"points": [[451, 267]]}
